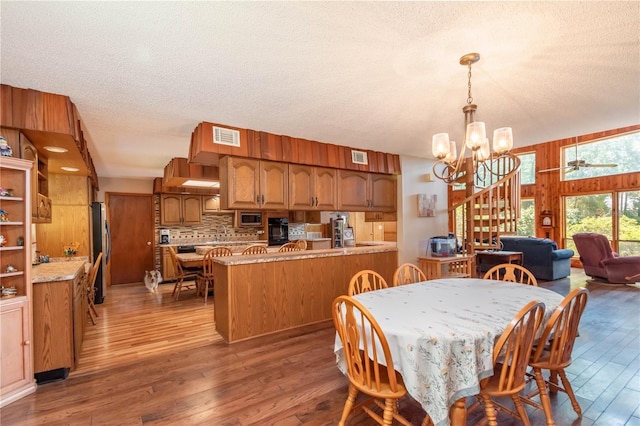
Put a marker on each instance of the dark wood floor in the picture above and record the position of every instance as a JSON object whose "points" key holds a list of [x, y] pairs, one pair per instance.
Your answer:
{"points": [[154, 361]]}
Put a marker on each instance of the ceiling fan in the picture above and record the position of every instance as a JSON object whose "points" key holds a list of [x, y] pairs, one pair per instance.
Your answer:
{"points": [[577, 164]]}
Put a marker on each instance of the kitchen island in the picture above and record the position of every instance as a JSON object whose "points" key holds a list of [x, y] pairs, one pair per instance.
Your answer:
{"points": [[59, 317], [261, 294]]}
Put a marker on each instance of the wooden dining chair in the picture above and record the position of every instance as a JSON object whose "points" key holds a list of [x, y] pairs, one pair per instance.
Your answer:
{"points": [[289, 247], [408, 273], [255, 249], [554, 353], [204, 279], [366, 280], [511, 354], [185, 280], [91, 288], [302, 243], [369, 363], [511, 272]]}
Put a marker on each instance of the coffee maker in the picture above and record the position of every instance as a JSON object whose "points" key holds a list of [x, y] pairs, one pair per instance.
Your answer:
{"points": [[337, 232], [165, 236]]}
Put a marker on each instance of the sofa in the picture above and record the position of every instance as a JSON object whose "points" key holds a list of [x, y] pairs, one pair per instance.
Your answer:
{"points": [[541, 256]]}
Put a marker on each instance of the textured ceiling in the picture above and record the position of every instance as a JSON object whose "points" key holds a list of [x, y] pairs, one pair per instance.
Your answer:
{"points": [[375, 75]]}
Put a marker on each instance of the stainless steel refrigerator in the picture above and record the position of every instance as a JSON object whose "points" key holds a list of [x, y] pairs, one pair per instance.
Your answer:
{"points": [[100, 242]]}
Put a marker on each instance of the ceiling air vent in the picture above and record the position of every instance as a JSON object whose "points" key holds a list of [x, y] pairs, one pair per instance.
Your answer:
{"points": [[359, 157], [224, 136]]}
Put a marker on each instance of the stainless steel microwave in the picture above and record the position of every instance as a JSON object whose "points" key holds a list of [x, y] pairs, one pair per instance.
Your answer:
{"points": [[249, 218]]}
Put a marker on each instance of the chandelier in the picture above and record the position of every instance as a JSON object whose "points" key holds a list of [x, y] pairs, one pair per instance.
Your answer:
{"points": [[450, 167]]}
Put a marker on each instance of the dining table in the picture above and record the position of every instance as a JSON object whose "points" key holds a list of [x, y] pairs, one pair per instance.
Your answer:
{"points": [[441, 335]]}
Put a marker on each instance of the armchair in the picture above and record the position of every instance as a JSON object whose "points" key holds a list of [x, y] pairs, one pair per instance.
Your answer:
{"points": [[600, 261]]}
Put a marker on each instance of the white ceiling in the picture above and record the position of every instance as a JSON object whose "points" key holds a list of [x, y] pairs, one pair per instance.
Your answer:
{"points": [[374, 75]]}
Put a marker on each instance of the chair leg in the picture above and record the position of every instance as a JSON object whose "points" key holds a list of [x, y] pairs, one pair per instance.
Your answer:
{"points": [[177, 288], [569, 390], [544, 396], [91, 316], [348, 405], [521, 411], [489, 410], [205, 287], [389, 409]]}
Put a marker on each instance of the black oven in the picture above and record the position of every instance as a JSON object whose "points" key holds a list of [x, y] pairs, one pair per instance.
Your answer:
{"points": [[278, 231]]}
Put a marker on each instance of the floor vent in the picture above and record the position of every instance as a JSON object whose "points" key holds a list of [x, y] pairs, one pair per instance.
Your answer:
{"points": [[224, 136]]}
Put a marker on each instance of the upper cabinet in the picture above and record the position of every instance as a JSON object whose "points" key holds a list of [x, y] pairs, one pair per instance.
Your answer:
{"points": [[246, 183], [312, 188], [358, 191], [178, 209], [40, 201]]}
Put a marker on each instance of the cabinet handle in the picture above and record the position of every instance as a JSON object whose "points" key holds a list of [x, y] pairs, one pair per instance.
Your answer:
{"points": [[26, 343], [312, 201], [258, 199], [262, 199], [316, 201]]}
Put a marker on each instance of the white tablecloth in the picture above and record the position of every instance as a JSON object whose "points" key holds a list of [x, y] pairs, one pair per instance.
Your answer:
{"points": [[441, 333]]}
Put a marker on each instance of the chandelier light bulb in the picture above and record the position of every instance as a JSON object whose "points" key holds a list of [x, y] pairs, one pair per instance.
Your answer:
{"points": [[484, 152], [440, 145], [476, 135], [453, 154], [502, 140]]}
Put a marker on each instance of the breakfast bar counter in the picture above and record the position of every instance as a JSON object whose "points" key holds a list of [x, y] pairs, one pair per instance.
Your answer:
{"points": [[256, 295]]}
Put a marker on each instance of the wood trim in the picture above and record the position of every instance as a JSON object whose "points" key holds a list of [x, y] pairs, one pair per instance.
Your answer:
{"points": [[267, 146]]}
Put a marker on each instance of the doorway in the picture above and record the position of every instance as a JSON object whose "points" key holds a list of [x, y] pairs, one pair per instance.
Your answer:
{"points": [[131, 217]]}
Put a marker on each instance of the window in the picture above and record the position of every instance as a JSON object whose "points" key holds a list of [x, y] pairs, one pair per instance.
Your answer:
{"points": [[629, 223], [527, 222], [527, 169], [588, 213], [623, 150]]}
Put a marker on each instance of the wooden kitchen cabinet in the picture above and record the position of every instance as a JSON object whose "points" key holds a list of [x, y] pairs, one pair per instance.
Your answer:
{"points": [[211, 204], [16, 348], [40, 201], [59, 316], [168, 269], [380, 216], [312, 188], [360, 191], [179, 209], [16, 374], [246, 183]]}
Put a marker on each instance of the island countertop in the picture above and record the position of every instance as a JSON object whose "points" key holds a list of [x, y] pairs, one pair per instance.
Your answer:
{"points": [[57, 271], [305, 254]]}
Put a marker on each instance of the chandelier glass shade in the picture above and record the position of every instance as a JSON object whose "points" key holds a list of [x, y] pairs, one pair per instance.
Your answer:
{"points": [[449, 166]]}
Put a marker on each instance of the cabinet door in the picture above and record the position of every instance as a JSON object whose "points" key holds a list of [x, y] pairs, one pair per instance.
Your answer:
{"points": [[383, 192], [191, 209], [168, 270], [301, 195], [211, 204], [274, 185], [170, 209], [353, 190], [52, 325], [325, 189], [240, 183], [15, 346]]}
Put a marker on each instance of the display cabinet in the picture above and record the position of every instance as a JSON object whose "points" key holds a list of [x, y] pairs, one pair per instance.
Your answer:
{"points": [[16, 352]]}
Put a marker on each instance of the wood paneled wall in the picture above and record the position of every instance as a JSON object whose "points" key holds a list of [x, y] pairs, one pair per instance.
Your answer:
{"points": [[70, 212], [549, 190]]}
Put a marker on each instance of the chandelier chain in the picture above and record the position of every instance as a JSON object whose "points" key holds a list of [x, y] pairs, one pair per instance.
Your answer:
{"points": [[469, 97]]}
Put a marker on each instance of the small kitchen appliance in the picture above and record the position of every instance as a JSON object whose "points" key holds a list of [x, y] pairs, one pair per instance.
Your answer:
{"points": [[337, 232], [278, 231], [165, 236]]}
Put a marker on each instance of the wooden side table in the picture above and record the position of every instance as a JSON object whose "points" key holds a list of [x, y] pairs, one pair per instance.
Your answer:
{"points": [[458, 266], [496, 258]]}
